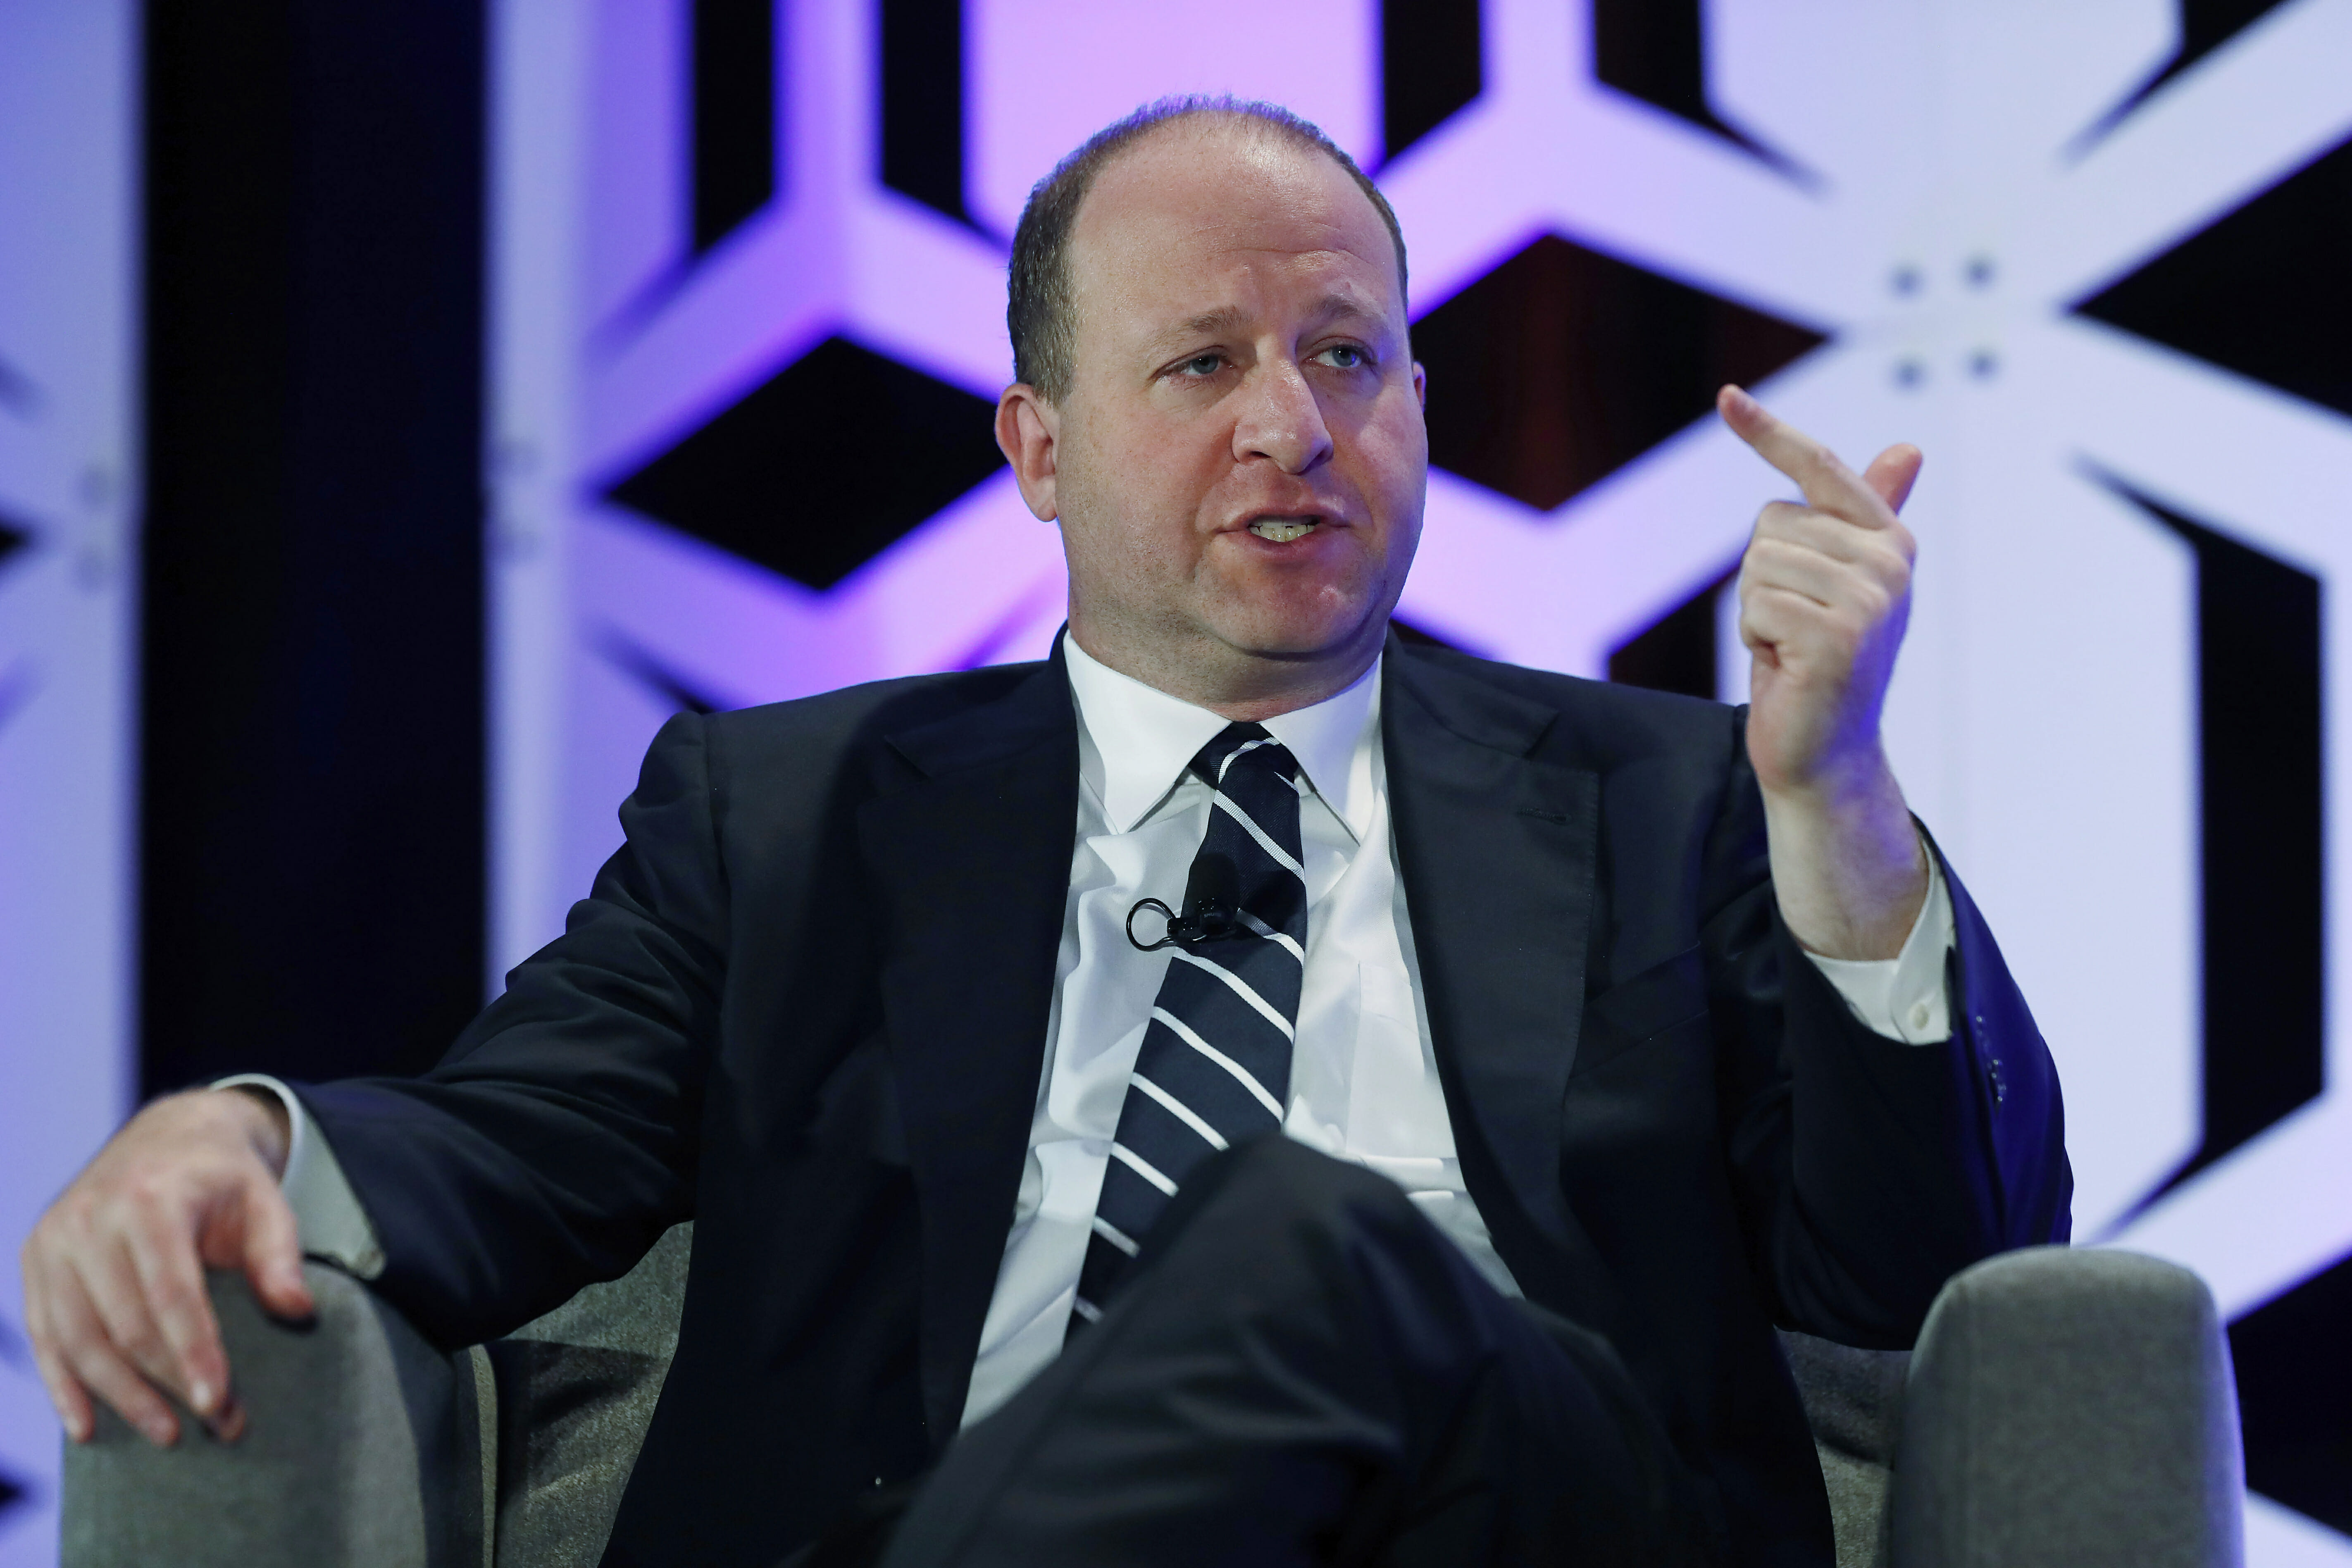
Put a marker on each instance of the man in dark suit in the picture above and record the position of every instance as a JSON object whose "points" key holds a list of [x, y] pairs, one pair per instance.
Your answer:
{"points": [[1606, 1029]]}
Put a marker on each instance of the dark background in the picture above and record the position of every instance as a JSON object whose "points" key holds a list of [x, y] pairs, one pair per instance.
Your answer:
{"points": [[312, 831], [313, 871]]}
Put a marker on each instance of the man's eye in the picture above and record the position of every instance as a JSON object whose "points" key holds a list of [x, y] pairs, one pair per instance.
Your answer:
{"points": [[1346, 356], [1203, 365]]}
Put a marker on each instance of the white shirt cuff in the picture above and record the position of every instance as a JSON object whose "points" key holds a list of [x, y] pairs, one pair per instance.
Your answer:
{"points": [[1903, 997], [327, 1213]]}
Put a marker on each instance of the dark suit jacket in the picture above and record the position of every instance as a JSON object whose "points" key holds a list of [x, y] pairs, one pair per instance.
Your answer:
{"points": [[806, 1006]]}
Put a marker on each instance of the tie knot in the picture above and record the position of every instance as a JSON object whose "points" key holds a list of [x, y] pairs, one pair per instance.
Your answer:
{"points": [[1248, 748]]}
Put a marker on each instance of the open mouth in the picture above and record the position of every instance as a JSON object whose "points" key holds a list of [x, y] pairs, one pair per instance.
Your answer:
{"points": [[1283, 530]]}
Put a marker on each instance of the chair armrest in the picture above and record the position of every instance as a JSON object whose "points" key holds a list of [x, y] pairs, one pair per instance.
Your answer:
{"points": [[2070, 1407], [364, 1449]]}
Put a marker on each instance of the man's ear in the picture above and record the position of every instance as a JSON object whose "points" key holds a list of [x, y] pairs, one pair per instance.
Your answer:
{"points": [[1421, 382], [1027, 429]]}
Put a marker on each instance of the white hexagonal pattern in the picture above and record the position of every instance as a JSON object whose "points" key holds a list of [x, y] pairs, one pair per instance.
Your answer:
{"points": [[2044, 720]]}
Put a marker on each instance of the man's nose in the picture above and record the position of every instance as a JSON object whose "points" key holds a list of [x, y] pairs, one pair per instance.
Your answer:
{"points": [[1281, 420]]}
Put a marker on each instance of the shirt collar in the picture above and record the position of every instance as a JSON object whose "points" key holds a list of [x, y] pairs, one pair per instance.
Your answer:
{"points": [[1141, 740]]}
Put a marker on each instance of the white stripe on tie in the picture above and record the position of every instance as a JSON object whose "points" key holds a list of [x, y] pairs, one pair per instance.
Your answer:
{"points": [[1241, 989], [1270, 934], [1086, 1309], [1242, 750], [1142, 1167], [1184, 1032], [1178, 1109], [1116, 1236], [1281, 857]]}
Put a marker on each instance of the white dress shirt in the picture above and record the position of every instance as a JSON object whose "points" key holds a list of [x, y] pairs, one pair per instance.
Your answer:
{"points": [[1363, 1079]]}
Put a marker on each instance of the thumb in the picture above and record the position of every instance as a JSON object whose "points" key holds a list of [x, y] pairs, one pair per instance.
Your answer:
{"points": [[1893, 472], [273, 1252]]}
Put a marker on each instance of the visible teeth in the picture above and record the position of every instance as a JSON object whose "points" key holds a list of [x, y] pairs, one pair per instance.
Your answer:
{"points": [[1282, 531]]}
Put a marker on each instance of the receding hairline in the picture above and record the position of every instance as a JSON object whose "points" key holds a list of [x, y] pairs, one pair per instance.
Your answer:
{"points": [[1041, 312], [1236, 120]]}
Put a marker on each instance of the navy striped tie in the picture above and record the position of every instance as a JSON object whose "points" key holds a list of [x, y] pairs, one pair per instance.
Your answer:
{"points": [[1214, 1068]]}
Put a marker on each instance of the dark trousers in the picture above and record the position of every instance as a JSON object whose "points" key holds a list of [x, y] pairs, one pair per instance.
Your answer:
{"points": [[1300, 1369]]}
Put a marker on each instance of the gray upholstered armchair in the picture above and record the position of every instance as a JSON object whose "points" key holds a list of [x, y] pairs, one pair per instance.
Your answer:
{"points": [[2063, 1407]]}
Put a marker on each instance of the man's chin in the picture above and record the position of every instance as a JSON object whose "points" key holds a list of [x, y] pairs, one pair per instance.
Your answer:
{"points": [[1304, 639]]}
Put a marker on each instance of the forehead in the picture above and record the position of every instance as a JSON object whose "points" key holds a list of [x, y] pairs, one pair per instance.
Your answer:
{"points": [[1170, 226]]}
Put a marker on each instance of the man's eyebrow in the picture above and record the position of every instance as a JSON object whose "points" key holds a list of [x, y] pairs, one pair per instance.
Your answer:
{"points": [[1216, 323], [1225, 319], [1348, 307]]}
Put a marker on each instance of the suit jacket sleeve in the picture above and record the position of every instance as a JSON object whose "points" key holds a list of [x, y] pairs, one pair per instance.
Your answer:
{"points": [[557, 1139], [1868, 1171]]}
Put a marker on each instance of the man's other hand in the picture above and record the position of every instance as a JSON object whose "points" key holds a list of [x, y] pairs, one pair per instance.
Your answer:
{"points": [[1824, 595], [114, 1281]]}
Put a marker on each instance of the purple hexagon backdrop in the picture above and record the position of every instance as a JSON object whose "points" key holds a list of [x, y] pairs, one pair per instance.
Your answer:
{"points": [[68, 652], [749, 320]]}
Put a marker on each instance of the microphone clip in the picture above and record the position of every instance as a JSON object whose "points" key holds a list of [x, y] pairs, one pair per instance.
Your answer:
{"points": [[1207, 923], [1213, 898]]}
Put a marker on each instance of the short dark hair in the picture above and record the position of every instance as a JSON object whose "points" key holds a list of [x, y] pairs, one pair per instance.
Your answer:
{"points": [[1039, 309]]}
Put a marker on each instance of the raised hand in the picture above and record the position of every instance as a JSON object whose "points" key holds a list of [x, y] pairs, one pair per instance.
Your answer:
{"points": [[1824, 595], [114, 1285]]}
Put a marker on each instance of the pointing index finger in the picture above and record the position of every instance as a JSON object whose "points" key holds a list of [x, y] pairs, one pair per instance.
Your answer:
{"points": [[1827, 483]]}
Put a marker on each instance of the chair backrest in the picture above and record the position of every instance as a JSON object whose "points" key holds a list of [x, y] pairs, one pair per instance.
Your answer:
{"points": [[575, 1391], [1854, 1400]]}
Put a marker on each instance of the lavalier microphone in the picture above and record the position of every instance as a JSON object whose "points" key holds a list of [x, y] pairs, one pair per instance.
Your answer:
{"points": [[1212, 896]]}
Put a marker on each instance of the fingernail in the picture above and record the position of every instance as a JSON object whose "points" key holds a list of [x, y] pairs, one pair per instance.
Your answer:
{"points": [[1741, 400], [200, 1397]]}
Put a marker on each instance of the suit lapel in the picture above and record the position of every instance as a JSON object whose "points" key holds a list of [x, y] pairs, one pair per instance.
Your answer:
{"points": [[1497, 851], [973, 858]]}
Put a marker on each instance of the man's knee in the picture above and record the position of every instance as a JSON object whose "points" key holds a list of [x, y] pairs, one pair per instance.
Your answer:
{"points": [[1273, 1187]]}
